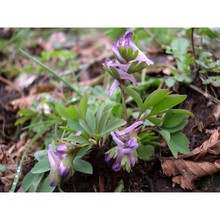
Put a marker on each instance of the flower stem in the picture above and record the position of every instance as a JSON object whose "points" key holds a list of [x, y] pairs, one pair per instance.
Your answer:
{"points": [[123, 102]]}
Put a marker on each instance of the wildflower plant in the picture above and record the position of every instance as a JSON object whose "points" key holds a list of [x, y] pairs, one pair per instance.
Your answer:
{"points": [[90, 125]]}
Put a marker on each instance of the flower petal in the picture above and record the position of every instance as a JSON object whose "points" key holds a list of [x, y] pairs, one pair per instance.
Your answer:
{"points": [[52, 157], [132, 143], [63, 171], [116, 166], [130, 128], [117, 54], [126, 76], [117, 140], [61, 150], [113, 87], [132, 159], [78, 133]]}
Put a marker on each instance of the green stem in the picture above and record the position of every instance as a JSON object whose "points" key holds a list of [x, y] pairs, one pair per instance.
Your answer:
{"points": [[123, 102], [50, 71]]}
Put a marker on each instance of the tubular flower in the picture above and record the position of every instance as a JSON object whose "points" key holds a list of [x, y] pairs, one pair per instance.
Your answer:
{"points": [[118, 71], [57, 167], [126, 50], [126, 146]]}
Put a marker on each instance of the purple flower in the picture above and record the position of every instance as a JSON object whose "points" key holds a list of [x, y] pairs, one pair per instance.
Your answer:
{"points": [[118, 71], [61, 150], [57, 167], [127, 42], [126, 145]]}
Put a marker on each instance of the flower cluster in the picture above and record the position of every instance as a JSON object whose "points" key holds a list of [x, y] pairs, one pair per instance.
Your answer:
{"points": [[60, 161], [124, 152], [129, 60]]}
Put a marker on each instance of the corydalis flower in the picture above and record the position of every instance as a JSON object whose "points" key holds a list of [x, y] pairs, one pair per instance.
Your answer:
{"points": [[126, 50], [57, 167], [118, 71], [126, 145]]}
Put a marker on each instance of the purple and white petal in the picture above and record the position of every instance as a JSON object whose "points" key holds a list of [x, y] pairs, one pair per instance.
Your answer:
{"points": [[130, 128], [117, 140], [61, 150], [116, 166], [132, 143], [126, 76], [132, 159], [115, 84], [63, 171], [117, 54], [54, 161], [78, 133]]}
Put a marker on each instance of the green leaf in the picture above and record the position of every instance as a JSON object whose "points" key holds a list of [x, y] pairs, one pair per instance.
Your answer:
{"points": [[120, 186], [167, 103], [27, 112], [82, 166], [90, 119], [178, 127], [82, 152], [28, 180], [39, 155], [135, 96], [72, 112], [182, 111], [35, 183], [172, 120], [99, 112], [83, 106], [178, 142], [45, 186], [155, 97], [103, 121], [146, 153], [85, 127], [180, 46], [79, 139], [41, 166], [155, 120], [62, 111], [74, 124], [113, 124], [165, 134]]}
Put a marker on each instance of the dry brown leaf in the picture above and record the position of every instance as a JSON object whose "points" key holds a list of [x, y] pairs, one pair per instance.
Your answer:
{"points": [[186, 169], [212, 146], [21, 103], [185, 172]]}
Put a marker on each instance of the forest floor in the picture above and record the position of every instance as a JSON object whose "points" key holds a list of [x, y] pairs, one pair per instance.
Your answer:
{"points": [[17, 93]]}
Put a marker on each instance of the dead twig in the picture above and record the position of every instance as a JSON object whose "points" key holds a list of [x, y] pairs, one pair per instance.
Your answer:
{"points": [[207, 95], [12, 85]]}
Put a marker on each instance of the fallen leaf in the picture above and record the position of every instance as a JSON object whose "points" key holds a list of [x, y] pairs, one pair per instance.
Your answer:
{"points": [[185, 172], [186, 168], [21, 103]]}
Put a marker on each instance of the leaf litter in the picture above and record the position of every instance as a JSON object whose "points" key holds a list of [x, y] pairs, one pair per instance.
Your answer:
{"points": [[185, 170]]}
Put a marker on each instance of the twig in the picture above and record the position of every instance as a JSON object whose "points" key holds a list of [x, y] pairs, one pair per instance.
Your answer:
{"points": [[208, 96], [12, 85]]}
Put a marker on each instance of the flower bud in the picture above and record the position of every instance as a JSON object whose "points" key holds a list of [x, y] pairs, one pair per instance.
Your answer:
{"points": [[61, 150]]}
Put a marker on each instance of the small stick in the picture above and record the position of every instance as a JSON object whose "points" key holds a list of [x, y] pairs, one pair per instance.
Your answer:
{"points": [[12, 85], [208, 96]]}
